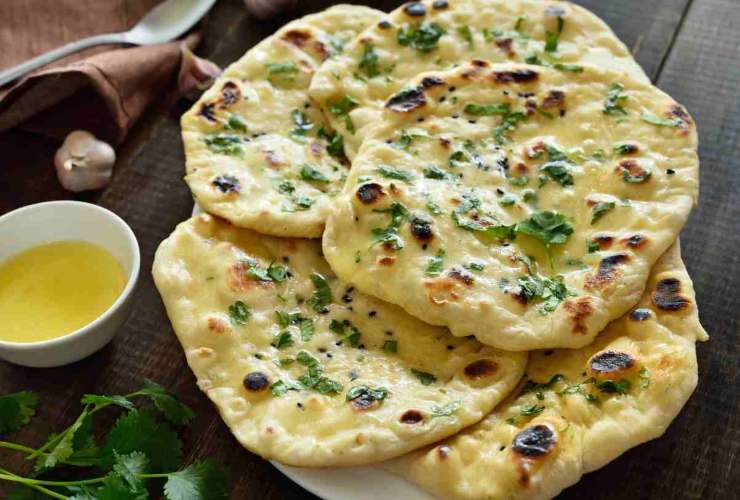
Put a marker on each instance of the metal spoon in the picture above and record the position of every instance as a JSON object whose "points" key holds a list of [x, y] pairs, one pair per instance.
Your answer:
{"points": [[163, 23]]}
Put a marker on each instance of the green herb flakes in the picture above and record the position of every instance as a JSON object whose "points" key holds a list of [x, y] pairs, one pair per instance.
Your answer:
{"points": [[615, 100], [312, 174], [322, 295], [225, 144], [425, 378], [435, 264], [369, 61], [550, 291], [661, 122], [446, 410], [342, 107], [239, 313], [422, 37], [282, 340], [390, 346], [600, 209], [394, 173]]}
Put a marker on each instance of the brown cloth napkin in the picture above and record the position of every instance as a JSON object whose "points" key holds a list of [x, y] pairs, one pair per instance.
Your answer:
{"points": [[102, 89]]}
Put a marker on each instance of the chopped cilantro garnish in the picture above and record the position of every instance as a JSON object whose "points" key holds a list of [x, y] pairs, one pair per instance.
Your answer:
{"points": [[551, 291], [509, 121], [322, 296], [282, 340], [302, 123], [550, 227], [435, 264], [539, 387], [282, 68], [286, 187], [342, 107], [389, 234], [306, 327], [394, 173], [600, 209], [636, 178], [285, 319], [479, 222], [467, 35], [434, 172], [273, 273], [614, 101], [314, 378], [425, 378], [433, 207], [507, 200], [579, 389], [624, 148], [592, 246], [644, 378], [661, 122], [531, 410], [458, 158], [559, 171], [475, 266], [279, 388], [225, 144], [569, 68], [551, 39], [239, 313], [621, 386], [445, 410], [422, 37], [312, 174], [236, 123], [16, 410], [522, 180], [369, 61], [335, 144], [365, 392], [487, 109]]}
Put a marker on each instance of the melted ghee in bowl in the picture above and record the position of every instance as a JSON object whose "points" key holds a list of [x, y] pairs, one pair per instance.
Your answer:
{"points": [[54, 289]]}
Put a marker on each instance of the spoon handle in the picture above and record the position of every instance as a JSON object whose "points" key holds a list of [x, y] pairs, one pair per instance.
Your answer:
{"points": [[11, 74]]}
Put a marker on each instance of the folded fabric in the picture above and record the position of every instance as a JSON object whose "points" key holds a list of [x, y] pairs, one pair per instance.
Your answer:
{"points": [[103, 89]]}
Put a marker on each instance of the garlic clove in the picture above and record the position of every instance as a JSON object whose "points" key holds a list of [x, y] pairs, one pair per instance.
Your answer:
{"points": [[196, 74], [83, 162]]}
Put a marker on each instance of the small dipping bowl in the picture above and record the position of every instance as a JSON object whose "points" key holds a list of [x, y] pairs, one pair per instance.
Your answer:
{"points": [[34, 225]]}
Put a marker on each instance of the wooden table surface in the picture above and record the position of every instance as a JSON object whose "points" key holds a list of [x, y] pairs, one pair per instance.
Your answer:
{"points": [[690, 48]]}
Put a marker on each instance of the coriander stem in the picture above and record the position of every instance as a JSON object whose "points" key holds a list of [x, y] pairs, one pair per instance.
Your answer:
{"points": [[28, 481], [9, 476], [16, 447]]}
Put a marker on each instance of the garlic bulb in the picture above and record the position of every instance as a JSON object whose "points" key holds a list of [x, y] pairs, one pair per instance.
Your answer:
{"points": [[196, 74], [265, 9], [84, 162]]}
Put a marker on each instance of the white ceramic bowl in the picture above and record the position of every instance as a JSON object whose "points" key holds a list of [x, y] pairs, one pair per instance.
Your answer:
{"points": [[42, 223]]}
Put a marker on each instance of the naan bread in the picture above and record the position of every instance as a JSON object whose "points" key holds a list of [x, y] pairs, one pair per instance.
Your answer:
{"points": [[439, 34], [258, 151], [516, 203], [579, 409], [307, 370]]}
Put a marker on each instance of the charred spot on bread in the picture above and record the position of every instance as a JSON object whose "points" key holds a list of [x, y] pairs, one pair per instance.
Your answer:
{"points": [[415, 9], [461, 275], [206, 111], [640, 314], [515, 76], [431, 81], [667, 295], [578, 309], [407, 100], [227, 184], [482, 368], [411, 417], [256, 381], [553, 99], [603, 240], [634, 241], [608, 270], [230, 94], [297, 37], [610, 362], [421, 229], [535, 441], [370, 193], [440, 4]]}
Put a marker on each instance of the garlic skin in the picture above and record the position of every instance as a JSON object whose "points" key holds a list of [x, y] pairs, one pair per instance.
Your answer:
{"points": [[84, 162], [196, 74], [266, 9]]}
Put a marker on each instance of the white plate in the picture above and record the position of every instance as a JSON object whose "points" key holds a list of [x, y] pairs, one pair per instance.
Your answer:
{"points": [[344, 483]]}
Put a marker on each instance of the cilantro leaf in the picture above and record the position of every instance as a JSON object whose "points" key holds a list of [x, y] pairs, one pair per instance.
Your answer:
{"points": [[307, 329], [199, 481], [435, 264], [99, 401], [615, 100], [422, 37], [390, 346], [312, 174], [550, 227], [425, 378], [302, 124], [239, 313], [16, 410], [621, 386], [661, 122], [225, 144], [128, 466], [63, 447], [559, 171], [171, 408], [369, 61], [282, 340], [600, 209], [137, 430], [237, 124], [487, 109], [342, 107], [394, 173], [434, 172], [322, 296], [467, 35], [335, 144], [365, 392], [551, 291]]}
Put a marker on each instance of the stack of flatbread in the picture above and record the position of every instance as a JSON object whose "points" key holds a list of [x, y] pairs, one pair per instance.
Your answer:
{"points": [[442, 238]]}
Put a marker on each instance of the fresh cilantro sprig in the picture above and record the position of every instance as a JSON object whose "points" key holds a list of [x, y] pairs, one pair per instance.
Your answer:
{"points": [[139, 447]]}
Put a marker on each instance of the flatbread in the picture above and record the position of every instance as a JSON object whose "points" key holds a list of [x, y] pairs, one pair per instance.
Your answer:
{"points": [[329, 380], [258, 151], [545, 438], [435, 35], [516, 203]]}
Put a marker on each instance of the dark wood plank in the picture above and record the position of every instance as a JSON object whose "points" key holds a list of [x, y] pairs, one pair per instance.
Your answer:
{"points": [[694, 459]]}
